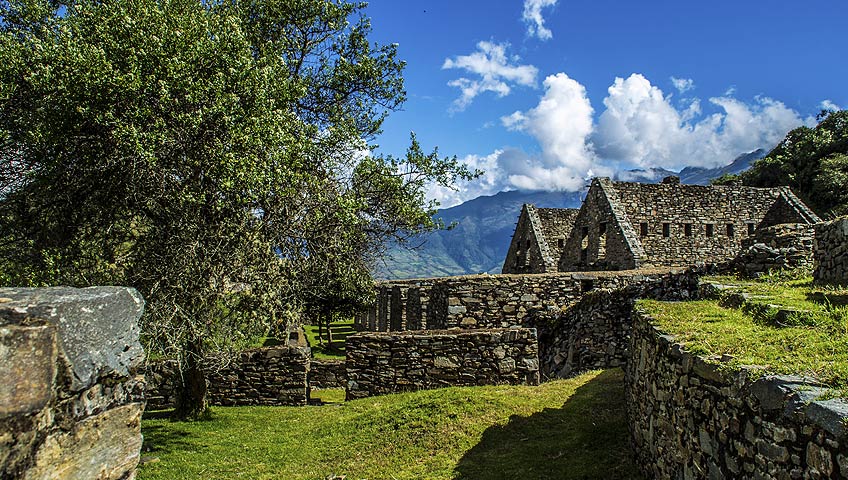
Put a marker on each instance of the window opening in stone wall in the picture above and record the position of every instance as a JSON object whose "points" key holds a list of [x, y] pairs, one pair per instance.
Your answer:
{"points": [[666, 230], [602, 241], [687, 229], [587, 286], [643, 229], [730, 231], [710, 227], [527, 243], [560, 243], [751, 227], [584, 244]]}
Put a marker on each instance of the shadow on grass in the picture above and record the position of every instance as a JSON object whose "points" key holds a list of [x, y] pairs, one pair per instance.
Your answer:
{"points": [[586, 438], [162, 439], [825, 298]]}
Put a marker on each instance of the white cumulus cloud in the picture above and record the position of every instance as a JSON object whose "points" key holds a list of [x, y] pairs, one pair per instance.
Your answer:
{"points": [[493, 71], [640, 127], [532, 16]]}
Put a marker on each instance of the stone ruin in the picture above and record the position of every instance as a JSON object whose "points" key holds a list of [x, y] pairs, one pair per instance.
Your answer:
{"points": [[71, 397], [831, 252], [625, 225]]}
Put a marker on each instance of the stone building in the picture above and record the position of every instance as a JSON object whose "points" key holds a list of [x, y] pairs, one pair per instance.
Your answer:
{"points": [[625, 225], [539, 238]]}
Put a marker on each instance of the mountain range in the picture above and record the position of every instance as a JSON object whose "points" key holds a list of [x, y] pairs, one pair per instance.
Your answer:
{"points": [[483, 226]]}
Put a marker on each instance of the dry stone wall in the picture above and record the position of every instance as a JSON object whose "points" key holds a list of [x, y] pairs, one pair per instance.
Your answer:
{"points": [[778, 247], [690, 420], [71, 398], [595, 332], [831, 252], [327, 374], [263, 376], [502, 301], [381, 363]]}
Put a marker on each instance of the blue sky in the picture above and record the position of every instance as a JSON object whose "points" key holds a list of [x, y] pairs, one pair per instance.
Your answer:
{"points": [[544, 93]]}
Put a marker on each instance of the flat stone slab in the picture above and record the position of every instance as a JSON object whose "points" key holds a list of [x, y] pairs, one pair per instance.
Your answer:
{"points": [[96, 328]]}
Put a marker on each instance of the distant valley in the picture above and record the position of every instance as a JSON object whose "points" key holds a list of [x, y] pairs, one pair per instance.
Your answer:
{"points": [[485, 225]]}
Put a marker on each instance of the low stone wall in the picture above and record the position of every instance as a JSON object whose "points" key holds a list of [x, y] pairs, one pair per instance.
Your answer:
{"points": [[689, 420], [327, 374], [831, 252], [70, 396], [503, 301], [784, 246], [263, 376], [595, 332], [381, 363]]}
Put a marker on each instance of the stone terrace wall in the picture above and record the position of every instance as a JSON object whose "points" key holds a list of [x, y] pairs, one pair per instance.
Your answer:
{"points": [[381, 363], [783, 246], [831, 252], [503, 301], [327, 374], [595, 332], [688, 420], [70, 397], [263, 376]]}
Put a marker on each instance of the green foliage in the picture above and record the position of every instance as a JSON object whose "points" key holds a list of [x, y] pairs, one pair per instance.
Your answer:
{"points": [[209, 154], [812, 161], [565, 429]]}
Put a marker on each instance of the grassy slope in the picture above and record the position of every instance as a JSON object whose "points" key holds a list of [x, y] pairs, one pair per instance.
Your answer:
{"points": [[564, 429], [815, 344]]}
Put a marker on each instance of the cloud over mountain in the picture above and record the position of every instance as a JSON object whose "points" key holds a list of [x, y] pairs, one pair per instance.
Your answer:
{"points": [[639, 127]]}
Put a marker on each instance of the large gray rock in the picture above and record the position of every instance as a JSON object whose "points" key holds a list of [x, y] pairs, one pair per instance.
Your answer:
{"points": [[97, 327]]}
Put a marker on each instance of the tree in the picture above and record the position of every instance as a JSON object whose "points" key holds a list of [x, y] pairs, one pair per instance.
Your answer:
{"points": [[210, 154], [812, 161]]}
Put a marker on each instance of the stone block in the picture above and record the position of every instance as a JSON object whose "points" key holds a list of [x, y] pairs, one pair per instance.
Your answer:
{"points": [[28, 368]]}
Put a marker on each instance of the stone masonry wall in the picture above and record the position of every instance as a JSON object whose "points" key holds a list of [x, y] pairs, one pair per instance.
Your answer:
{"points": [[783, 246], [327, 374], [690, 420], [831, 252], [595, 332], [263, 376], [381, 363], [70, 396], [502, 301]]}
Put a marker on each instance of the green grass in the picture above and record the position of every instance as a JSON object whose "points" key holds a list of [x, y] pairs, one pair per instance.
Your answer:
{"points": [[814, 343], [567, 429], [334, 351]]}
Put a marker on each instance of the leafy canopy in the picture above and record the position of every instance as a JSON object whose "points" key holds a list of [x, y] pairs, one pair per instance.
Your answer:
{"points": [[212, 154]]}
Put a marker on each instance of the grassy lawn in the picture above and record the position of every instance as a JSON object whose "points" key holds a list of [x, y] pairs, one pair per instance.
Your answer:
{"points": [[813, 343], [334, 351], [566, 429]]}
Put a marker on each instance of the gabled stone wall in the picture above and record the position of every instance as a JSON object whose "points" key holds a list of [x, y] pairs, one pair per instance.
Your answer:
{"points": [[528, 251], [381, 363], [689, 419], [71, 397], [831, 252]]}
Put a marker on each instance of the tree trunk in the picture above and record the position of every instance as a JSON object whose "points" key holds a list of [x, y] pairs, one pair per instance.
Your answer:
{"points": [[191, 400], [320, 330], [329, 331]]}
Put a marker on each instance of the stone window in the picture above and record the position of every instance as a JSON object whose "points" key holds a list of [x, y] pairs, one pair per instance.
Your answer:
{"points": [[527, 243], [710, 229], [602, 228], [643, 229], [666, 230], [560, 243], [587, 286], [687, 229], [751, 228], [730, 231]]}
